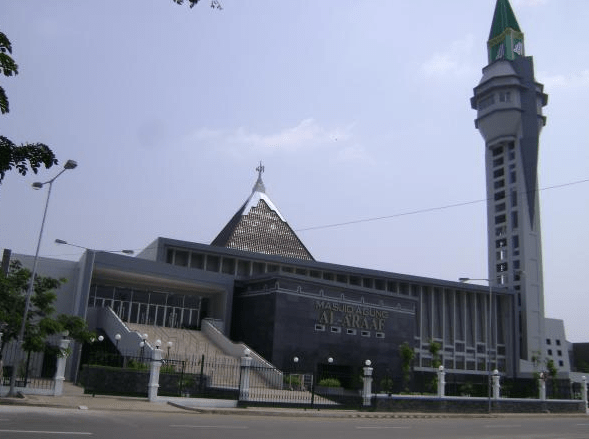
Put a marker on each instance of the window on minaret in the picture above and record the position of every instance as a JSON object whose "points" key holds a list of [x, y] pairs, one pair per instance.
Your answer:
{"points": [[498, 162], [514, 220], [505, 96], [499, 195], [512, 177], [513, 196], [515, 241], [499, 219]]}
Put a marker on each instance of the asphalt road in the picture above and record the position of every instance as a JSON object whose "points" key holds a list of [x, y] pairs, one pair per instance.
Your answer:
{"points": [[32, 422]]}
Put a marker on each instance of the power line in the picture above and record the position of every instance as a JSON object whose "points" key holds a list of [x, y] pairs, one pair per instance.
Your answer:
{"points": [[426, 210]]}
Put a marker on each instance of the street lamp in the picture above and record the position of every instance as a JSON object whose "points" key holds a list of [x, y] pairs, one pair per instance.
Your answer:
{"points": [[170, 344], [125, 251], [489, 337], [70, 164], [117, 338]]}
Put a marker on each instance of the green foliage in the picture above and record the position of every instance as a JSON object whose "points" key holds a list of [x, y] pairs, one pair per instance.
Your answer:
{"points": [[28, 156], [293, 381], [7, 67], [434, 349], [330, 382], [167, 368], [137, 365], [215, 4], [386, 384], [407, 355], [40, 322]]}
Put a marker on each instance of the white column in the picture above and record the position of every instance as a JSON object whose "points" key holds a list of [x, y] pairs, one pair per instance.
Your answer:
{"points": [[244, 385], [154, 374], [441, 382], [496, 384], [367, 390], [584, 390], [542, 383], [59, 378]]}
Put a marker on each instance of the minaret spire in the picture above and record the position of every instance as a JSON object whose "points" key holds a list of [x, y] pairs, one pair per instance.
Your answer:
{"points": [[506, 40]]}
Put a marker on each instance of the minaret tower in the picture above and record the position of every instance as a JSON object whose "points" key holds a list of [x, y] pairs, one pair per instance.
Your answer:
{"points": [[509, 105]]}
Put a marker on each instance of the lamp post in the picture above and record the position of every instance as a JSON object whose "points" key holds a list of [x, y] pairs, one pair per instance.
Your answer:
{"points": [[170, 344], [70, 164], [489, 337], [125, 251]]}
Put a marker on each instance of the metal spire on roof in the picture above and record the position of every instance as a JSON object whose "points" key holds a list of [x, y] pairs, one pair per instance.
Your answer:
{"points": [[259, 186]]}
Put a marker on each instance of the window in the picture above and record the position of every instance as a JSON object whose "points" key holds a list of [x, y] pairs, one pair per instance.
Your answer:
{"points": [[500, 243], [502, 267], [499, 184], [512, 177], [498, 162], [514, 220], [513, 196], [486, 102], [497, 151], [548, 341], [197, 261], [499, 219], [498, 173], [181, 258], [515, 241], [365, 333], [319, 328], [380, 335], [557, 342], [504, 96], [499, 195], [559, 353], [350, 331], [213, 263], [336, 329], [549, 351], [560, 363], [500, 207]]}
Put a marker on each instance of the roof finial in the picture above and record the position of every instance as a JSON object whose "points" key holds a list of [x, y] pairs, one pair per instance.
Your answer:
{"points": [[260, 169], [259, 186]]}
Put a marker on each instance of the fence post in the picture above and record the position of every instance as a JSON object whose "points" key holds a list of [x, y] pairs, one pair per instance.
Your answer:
{"points": [[441, 382], [244, 385], [60, 367], [154, 374], [367, 390], [584, 390], [496, 384]]}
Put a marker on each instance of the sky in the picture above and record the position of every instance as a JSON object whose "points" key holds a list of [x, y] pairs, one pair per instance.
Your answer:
{"points": [[358, 110]]}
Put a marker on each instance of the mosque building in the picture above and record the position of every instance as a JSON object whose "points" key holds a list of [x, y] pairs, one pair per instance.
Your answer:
{"points": [[260, 285]]}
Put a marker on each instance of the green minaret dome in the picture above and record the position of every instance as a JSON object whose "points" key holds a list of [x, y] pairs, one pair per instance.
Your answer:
{"points": [[502, 19]]}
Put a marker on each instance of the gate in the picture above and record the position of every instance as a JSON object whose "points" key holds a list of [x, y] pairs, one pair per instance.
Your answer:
{"points": [[266, 386]]}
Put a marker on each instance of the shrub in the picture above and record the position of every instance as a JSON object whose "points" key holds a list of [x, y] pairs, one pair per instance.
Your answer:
{"points": [[330, 382]]}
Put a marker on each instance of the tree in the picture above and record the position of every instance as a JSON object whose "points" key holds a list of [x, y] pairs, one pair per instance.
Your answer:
{"points": [[215, 4], [28, 156], [41, 321], [407, 356]]}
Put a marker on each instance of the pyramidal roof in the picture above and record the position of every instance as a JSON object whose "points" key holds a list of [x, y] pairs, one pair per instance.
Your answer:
{"points": [[258, 226], [503, 18]]}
